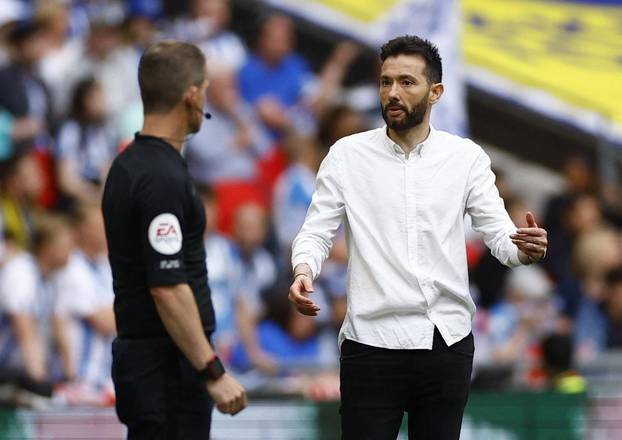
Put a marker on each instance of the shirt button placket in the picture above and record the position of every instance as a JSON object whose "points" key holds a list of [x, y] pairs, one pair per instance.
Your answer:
{"points": [[411, 213]]}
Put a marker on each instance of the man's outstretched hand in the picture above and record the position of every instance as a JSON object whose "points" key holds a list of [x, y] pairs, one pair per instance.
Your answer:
{"points": [[301, 288], [531, 241]]}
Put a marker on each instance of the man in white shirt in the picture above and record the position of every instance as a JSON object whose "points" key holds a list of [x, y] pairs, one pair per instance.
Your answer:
{"points": [[402, 192]]}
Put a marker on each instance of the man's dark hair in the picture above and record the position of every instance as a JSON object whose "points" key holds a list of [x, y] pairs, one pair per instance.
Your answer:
{"points": [[165, 72], [413, 45]]}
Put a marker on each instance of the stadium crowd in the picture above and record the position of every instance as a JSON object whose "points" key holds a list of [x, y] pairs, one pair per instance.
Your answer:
{"points": [[69, 102]]}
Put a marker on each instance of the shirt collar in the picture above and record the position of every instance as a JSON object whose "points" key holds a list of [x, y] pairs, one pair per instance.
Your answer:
{"points": [[138, 137], [419, 150]]}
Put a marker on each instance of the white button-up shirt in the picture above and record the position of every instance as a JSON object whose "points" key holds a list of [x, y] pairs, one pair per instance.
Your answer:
{"points": [[404, 220]]}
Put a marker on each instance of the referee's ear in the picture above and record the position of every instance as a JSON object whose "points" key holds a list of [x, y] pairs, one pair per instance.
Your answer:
{"points": [[190, 96]]}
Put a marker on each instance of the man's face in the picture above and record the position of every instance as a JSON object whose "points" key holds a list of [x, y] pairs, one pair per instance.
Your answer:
{"points": [[404, 92], [223, 92], [59, 249], [276, 40]]}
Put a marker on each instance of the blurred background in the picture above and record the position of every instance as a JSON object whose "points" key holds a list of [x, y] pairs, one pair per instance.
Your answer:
{"points": [[537, 83]]}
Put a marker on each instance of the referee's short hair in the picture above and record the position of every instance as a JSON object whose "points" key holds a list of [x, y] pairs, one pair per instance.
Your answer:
{"points": [[166, 70]]}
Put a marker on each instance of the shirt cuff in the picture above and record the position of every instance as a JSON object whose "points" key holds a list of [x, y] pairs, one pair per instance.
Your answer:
{"points": [[514, 260], [300, 259]]}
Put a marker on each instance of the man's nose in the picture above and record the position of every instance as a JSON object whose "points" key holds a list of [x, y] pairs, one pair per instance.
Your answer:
{"points": [[394, 92]]}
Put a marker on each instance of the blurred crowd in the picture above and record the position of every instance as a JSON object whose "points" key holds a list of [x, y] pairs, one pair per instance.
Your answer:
{"points": [[69, 102]]}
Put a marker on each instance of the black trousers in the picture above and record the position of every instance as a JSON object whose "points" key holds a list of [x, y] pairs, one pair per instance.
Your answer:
{"points": [[378, 385], [159, 394]]}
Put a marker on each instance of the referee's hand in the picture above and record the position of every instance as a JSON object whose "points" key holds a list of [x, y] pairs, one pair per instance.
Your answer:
{"points": [[299, 294], [228, 394]]}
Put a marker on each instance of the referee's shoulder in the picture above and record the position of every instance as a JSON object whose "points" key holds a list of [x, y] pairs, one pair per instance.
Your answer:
{"points": [[145, 166]]}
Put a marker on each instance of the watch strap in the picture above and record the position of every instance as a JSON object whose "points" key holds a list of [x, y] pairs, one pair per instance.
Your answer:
{"points": [[213, 370]]}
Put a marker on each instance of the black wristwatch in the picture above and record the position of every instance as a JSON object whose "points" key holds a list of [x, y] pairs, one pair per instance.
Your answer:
{"points": [[212, 371]]}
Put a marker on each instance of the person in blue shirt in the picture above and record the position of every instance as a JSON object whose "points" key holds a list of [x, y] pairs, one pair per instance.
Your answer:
{"points": [[274, 77], [280, 84]]}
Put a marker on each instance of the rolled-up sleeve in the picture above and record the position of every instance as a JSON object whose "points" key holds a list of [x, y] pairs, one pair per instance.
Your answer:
{"points": [[314, 241], [488, 213]]}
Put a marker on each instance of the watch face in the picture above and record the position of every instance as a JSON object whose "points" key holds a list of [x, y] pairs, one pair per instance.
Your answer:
{"points": [[213, 370]]}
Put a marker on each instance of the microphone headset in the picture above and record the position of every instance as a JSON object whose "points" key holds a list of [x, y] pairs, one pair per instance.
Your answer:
{"points": [[206, 115]]}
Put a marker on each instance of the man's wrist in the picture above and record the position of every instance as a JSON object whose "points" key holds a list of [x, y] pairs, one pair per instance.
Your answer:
{"points": [[302, 269], [526, 259]]}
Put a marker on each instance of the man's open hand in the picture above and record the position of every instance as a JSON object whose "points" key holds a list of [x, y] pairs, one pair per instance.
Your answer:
{"points": [[299, 293]]}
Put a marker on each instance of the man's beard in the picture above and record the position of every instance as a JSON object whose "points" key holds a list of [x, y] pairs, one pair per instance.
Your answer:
{"points": [[412, 118]]}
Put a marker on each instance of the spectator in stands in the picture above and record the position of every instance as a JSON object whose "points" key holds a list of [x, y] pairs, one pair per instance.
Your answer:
{"points": [[338, 121], [290, 339], [221, 44], [20, 184], [221, 267], [83, 309], [12, 12], [293, 191], [229, 147], [22, 92], [15, 131], [27, 301], [580, 178], [54, 18], [509, 332], [596, 253], [103, 56], [582, 216], [256, 272], [294, 188], [558, 360], [228, 151], [86, 144], [141, 23], [279, 82], [206, 24], [194, 25]]}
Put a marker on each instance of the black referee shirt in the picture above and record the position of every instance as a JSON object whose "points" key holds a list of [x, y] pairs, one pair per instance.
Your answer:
{"points": [[154, 227]]}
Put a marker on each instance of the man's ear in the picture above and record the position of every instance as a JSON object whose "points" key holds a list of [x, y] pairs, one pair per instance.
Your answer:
{"points": [[436, 91], [190, 96]]}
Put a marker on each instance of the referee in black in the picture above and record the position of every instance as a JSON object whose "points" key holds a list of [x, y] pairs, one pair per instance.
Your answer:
{"points": [[166, 374]]}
